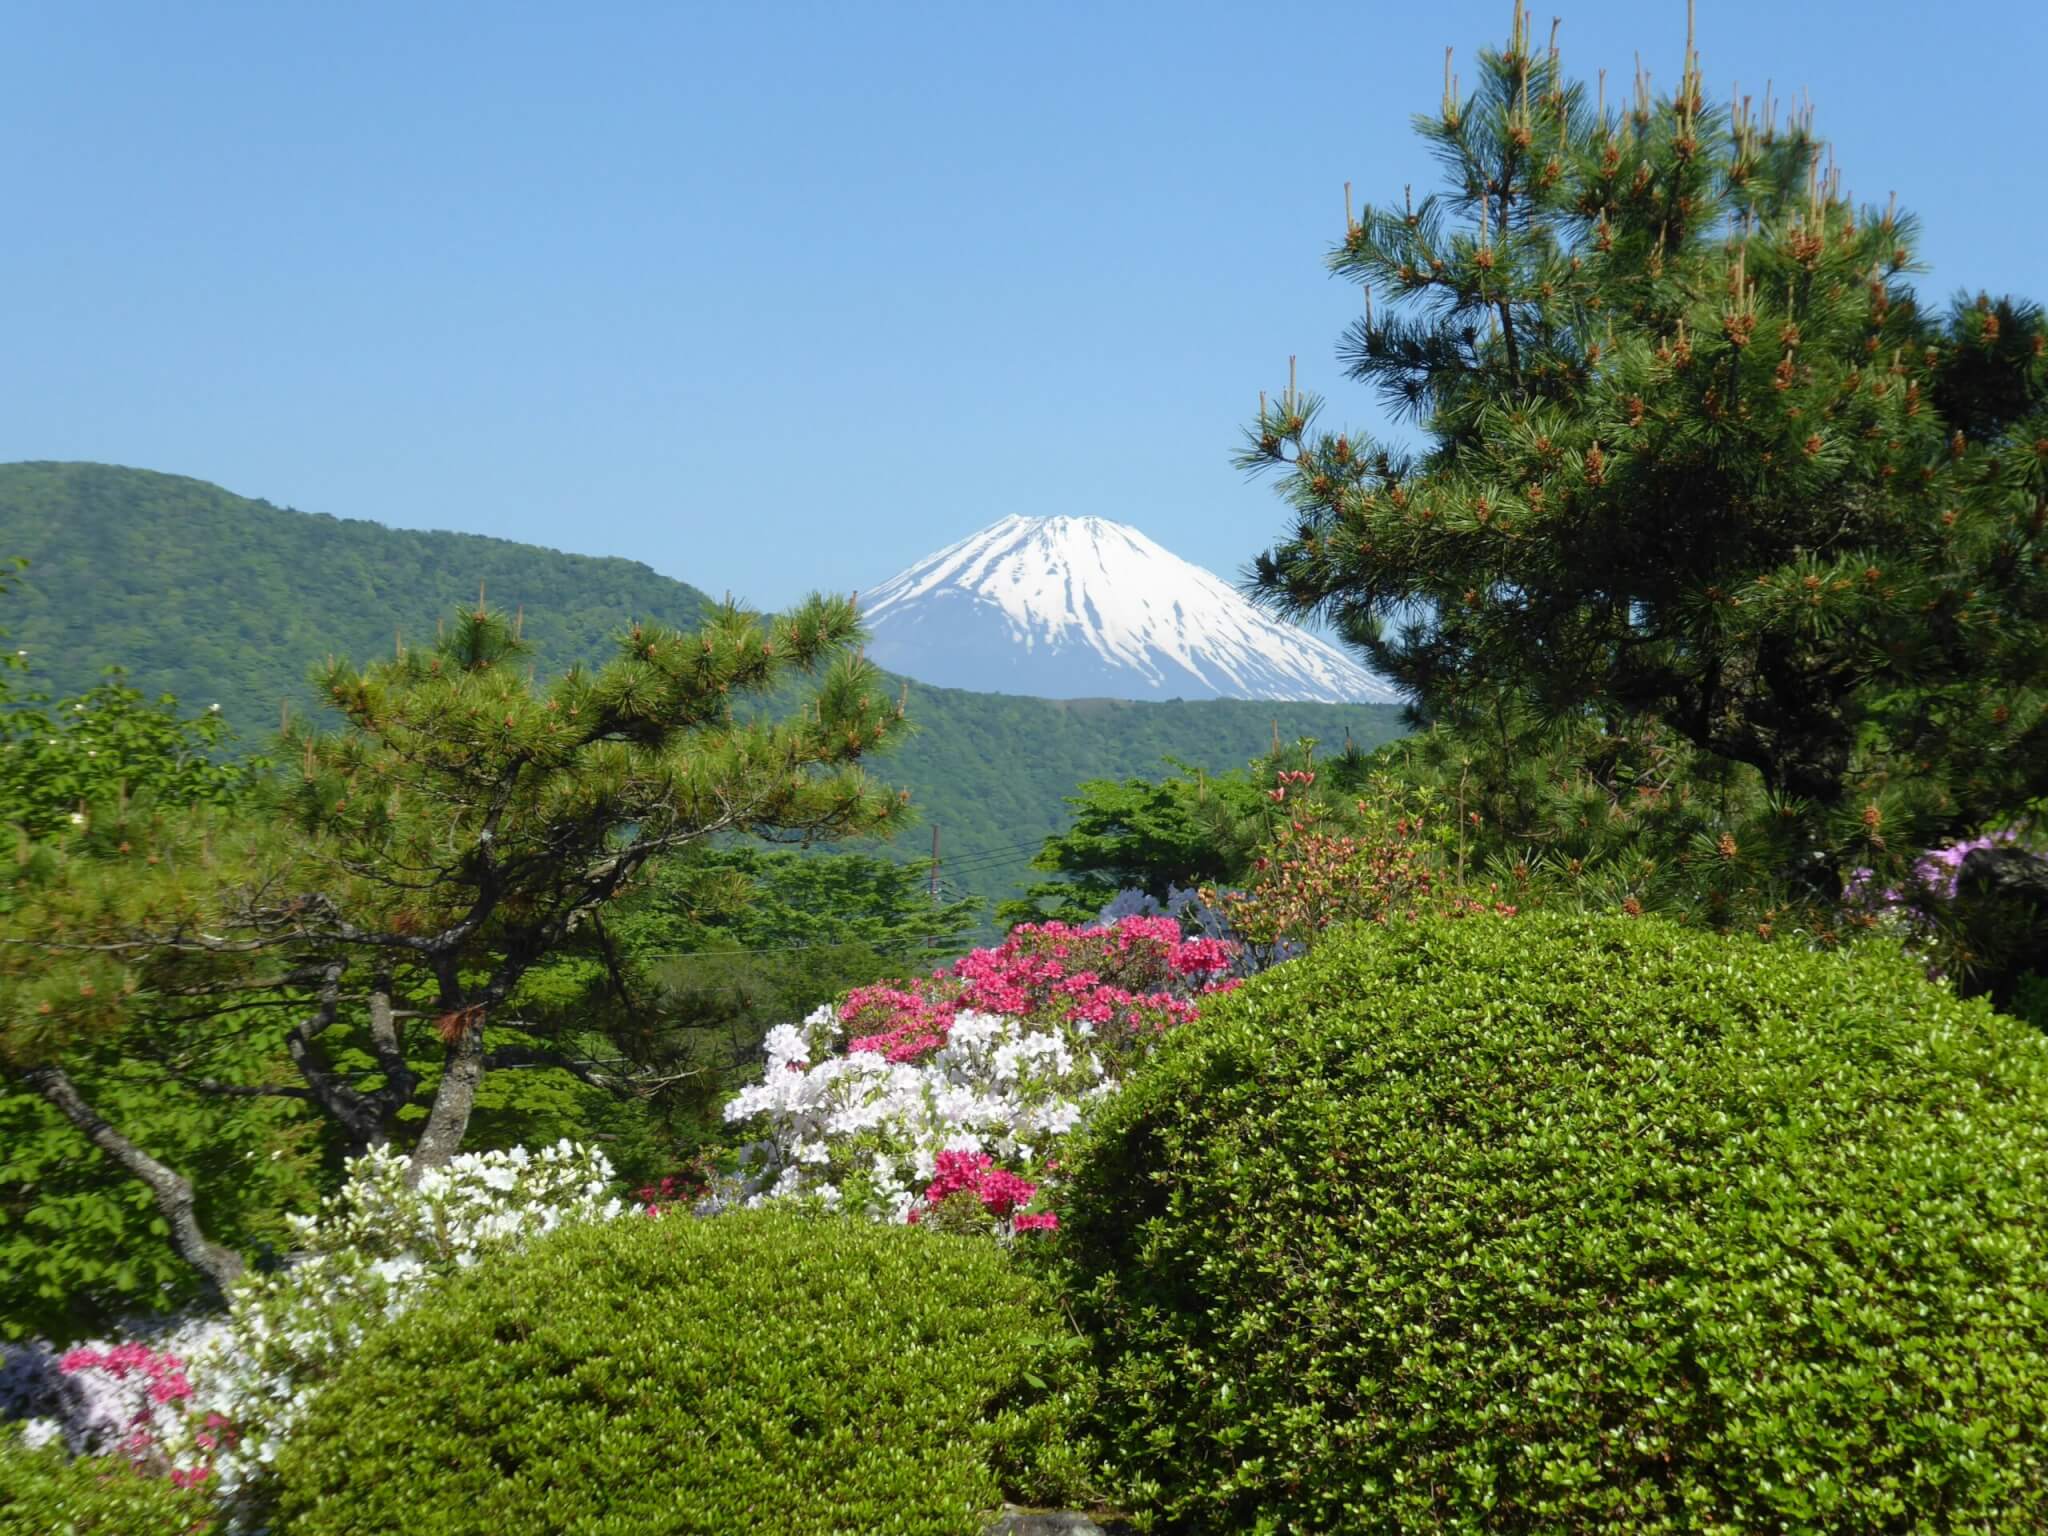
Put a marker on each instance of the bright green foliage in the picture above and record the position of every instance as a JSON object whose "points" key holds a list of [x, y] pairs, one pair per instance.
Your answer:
{"points": [[58, 761], [45, 1493], [1698, 454], [1190, 829], [756, 1372], [1567, 1224], [82, 1242]]}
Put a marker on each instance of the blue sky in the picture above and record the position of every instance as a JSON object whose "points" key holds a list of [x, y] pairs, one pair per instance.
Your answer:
{"points": [[779, 297]]}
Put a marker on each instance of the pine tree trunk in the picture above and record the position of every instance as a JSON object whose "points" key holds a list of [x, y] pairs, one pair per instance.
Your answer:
{"points": [[389, 1049], [448, 1121]]}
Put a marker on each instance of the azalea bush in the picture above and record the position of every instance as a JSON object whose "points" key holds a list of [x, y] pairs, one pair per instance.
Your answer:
{"points": [[1122, 982], [1204, 913], [212, 1400], [953, 1092], [1393, 852]]}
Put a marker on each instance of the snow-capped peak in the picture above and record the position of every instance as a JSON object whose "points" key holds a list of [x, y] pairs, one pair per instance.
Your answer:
{"points": [[1081, 607]]}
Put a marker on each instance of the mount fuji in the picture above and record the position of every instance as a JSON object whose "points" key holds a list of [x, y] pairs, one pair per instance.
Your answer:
{"points": [[1081, 607]]}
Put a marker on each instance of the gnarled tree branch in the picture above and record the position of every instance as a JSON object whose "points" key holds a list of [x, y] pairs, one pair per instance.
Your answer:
{"points": [[173, 1191]]}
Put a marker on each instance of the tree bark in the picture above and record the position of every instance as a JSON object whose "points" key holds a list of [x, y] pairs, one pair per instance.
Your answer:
{"points": [[173, 1191], [448, 1121], [389, 1049], [351, 1110]]}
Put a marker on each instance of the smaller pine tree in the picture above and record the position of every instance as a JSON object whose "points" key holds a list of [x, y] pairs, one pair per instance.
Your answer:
{"points": [[411, 867]]}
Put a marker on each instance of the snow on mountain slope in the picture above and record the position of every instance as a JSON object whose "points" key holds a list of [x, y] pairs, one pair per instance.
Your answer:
{"points": [[1080, 607]]}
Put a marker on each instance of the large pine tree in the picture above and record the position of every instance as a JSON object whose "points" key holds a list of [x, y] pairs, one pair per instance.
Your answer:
{"points": [[1697, 454]]}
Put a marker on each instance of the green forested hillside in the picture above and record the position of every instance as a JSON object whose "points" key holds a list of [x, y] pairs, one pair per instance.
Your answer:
{"points": [[215, 597], [991, 770]]}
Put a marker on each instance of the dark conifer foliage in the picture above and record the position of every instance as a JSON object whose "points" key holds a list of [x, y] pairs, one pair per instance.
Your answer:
{"points": [[1697, 454]]}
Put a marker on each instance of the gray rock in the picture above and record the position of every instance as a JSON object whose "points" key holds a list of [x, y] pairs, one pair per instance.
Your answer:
{"points": [[1041, 1522]]}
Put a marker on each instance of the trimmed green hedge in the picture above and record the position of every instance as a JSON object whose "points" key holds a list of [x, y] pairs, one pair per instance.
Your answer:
{"points": [[1554, 1224], [45, 1493], [752, 1372]]}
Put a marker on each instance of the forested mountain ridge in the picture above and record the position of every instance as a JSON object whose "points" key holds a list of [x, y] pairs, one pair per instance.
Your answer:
{"points": [[992, 770], [219, 598]]}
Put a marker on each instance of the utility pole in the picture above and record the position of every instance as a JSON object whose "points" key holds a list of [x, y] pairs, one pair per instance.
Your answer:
{"points": [[932, 939]]}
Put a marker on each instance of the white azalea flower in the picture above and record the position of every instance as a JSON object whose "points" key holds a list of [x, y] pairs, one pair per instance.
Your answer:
{"points": [[370, 1252]]}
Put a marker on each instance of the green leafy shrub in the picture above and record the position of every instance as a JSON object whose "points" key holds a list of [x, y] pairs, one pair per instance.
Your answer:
{"points": [[43, 1492], [754, 1372], [1568, 1223]]}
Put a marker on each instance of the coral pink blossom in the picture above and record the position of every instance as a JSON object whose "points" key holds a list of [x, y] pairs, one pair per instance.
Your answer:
{"points": [[166, 1373], [1000, 1191], [1136, 977]]}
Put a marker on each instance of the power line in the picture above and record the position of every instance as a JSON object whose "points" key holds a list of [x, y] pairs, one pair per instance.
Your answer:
{"points": [[880, 946], [1030, 845], [1021, 853]]}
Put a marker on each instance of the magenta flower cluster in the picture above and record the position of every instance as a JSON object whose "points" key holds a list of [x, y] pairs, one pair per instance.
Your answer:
{"points": [[1138, 977], [1000, 1191], [1935, 875], [152, 1386], [680, 1190], [165, 1374]]}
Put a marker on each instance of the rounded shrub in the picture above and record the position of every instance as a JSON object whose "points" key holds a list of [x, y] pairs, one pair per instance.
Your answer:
{"points": [[1555, 1224], [756, 1371], [44, 1492]]}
